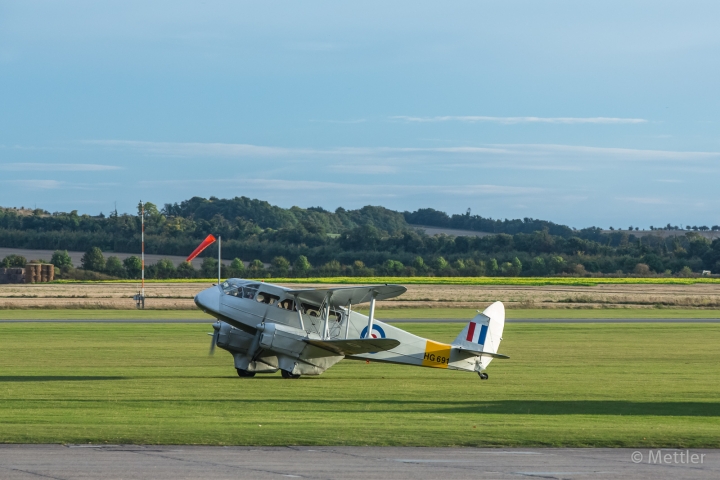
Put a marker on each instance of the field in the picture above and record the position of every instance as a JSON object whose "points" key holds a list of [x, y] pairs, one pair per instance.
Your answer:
{"points": [[565, 385], [179, 296], [528, 281]]}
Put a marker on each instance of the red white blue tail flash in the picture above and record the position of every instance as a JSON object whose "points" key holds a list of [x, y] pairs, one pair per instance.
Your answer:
{"points": [[476, 333]]}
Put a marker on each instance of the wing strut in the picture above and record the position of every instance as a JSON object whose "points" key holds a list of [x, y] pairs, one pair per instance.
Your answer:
{"points": [[371, 318], [347, 323]]}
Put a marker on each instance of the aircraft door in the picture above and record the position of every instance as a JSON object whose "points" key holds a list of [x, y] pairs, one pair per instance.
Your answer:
{"points": [[283, 312]]}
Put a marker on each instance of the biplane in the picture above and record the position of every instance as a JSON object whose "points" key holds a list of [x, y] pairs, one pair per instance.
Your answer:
{"points": [[269, 327]]}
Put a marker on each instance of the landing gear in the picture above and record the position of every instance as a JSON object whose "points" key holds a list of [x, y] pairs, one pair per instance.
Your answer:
{"points": [[286, 374], [244, 373], [483, 375]]}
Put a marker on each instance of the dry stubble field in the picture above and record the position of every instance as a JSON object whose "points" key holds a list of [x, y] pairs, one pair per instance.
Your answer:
{"points": [[179, 296]]}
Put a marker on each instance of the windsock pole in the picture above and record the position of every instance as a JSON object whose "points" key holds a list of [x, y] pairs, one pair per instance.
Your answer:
{"points": [[142, 252], [219, 257]]}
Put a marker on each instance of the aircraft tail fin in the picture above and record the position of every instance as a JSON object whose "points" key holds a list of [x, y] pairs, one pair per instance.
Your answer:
{"points": [[484, 332]]}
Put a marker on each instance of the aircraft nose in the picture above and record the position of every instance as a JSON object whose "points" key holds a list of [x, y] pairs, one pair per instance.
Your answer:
{"points": [[209, 300]]}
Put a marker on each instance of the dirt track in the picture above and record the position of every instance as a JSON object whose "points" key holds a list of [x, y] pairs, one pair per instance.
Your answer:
{"points": [[180, 296]]}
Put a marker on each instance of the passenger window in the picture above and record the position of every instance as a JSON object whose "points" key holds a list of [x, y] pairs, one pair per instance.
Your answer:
{"points": [[249, 291], [287, 304], [264, 297], [312, 310]]}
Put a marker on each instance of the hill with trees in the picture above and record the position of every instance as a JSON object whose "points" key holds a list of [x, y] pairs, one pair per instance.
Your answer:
{"points": [[364, 242]]}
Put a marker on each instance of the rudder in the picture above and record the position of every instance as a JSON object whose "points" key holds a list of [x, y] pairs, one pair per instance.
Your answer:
{"points": [[484, 332]]}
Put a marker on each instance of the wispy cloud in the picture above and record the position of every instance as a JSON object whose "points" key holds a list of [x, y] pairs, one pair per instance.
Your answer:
{"points": [[516, 120], [373, 190], [37, 184], [342, 122], [194, 149], [56, 167], [315, 46], [542, 156], [644, 200], [41, 184], [363, 169]]}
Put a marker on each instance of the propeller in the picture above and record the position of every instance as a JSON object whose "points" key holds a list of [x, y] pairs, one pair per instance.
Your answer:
{"points": [[214, 339]]}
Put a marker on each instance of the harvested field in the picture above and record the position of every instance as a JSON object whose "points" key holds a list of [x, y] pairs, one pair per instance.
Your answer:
{"points": [[179, 296]]}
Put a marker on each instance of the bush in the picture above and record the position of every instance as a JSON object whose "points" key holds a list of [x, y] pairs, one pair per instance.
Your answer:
{"points": [[641, 269], [61, 259], [114, 267], [209, 267], [133, 266], [237, 268], [301, 267], [13, 261], [280, 267], [186, 270], [93, 260]]}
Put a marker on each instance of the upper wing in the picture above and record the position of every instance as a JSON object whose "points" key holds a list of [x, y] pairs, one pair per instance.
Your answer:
{"points": [[356, 346], [341, 296]]}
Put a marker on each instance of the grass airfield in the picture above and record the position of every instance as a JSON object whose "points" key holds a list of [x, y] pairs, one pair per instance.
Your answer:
{"points": [[653, 385]]}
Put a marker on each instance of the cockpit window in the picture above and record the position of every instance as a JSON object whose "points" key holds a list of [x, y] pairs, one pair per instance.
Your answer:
{"points": [[231, 288]]}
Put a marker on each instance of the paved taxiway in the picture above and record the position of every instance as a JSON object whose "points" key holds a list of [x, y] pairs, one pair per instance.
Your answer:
{"points": [[391, 320], [21, 462]]}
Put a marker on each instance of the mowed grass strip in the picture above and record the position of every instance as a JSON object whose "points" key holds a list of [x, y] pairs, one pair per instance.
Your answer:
{"points": [[653, 385]]}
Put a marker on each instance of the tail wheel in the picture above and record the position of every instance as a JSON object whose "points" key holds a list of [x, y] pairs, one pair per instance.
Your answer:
{"points": [[286, 374], [483, 376], [244, 373]]}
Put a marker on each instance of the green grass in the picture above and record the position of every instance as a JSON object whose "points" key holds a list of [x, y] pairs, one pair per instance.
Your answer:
{"points": [[565, 385], [99, 314], [530, 281], [461, 313]]}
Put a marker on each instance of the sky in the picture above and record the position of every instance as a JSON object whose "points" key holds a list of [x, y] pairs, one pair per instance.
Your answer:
{"points": [[595, 113]]}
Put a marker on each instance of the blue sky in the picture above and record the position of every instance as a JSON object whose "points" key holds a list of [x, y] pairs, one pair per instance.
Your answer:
{"points": [[584, 113]]}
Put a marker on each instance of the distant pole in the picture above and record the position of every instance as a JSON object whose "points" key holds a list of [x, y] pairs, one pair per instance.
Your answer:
{"points": [[142, 252], [219, 257]]}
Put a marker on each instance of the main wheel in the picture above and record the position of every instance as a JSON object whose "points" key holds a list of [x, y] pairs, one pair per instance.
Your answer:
{"points": [[483, 376], [244, 373], [286, 374]]}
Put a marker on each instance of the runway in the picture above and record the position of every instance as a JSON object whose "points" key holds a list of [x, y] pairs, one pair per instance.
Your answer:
{"points": [[24, 462], [391, 320]]}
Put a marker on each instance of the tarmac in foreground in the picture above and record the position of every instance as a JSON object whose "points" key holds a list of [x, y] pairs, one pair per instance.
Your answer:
{"points": [[367, 463]]}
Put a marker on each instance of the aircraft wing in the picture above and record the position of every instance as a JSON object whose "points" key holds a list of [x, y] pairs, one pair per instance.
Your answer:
{"points": [[356, 346], [482, 354], [341, 296]]}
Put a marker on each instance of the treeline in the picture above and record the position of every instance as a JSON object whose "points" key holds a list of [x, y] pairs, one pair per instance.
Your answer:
{"points": [[365, 242], [435, 218]]}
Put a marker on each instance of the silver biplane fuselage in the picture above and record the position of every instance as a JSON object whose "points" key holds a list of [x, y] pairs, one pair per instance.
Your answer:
{"points": [[304, 332]]}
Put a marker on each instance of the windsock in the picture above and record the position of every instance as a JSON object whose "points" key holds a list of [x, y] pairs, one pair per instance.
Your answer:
{"points": [[205, 243]]}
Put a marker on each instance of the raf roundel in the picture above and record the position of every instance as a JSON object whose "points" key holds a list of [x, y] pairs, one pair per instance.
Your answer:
{"points": [[377, 332]]}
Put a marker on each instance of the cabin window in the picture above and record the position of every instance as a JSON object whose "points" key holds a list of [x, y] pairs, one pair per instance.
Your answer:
{"points": [[287, 304], [314, 311], [268, 298], [249, 291]]}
